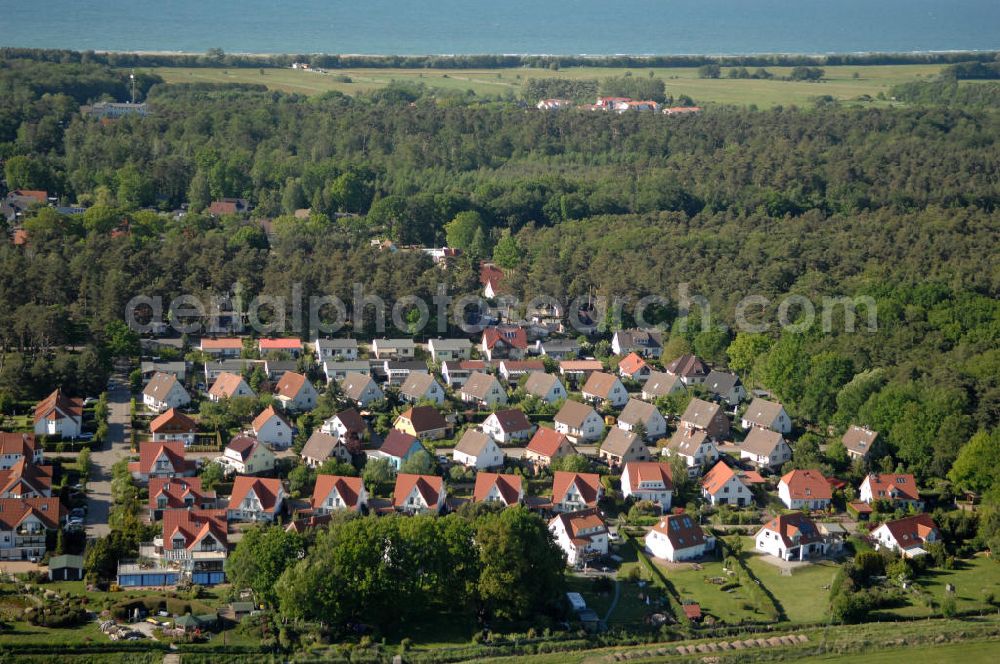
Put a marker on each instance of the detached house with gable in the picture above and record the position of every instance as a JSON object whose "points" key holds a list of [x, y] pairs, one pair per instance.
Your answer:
{"points": [[765, 414], [694, 446], [336, 350], [638, 413], [449, 349], [508, 426], [322, 446], [24, 523], [604, 387], [295, 393], [483, 390], [338, 492], [582, 535], [394, 349], [178, 493], [689, 368], [547, 445], [361, 389], [620, 447], [161, 459], [16, 447], [397, 447], [805, 489], [660, 384], [794, 536], [477, 450], [579, 422], [765, 449], [174, 425], [498, 488], [726, 386], [59, 416], [229, 386], [907, 535], [505, 342], [648, 480], [890, 487], [546, 387], [724, 486], [271, 428], [677, 537], [422, 387], [575, 491], [419, 493], [26, 480], [248, 456], [424, 422], [643, 342], [255, 499], [859, 441], [633, 367], [164, 392], [705, 416]]}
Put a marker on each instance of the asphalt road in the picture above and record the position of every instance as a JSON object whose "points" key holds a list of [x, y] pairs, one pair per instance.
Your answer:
{"points": [[113, 450]]}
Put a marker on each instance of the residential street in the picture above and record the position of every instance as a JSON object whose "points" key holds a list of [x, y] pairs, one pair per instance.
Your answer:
{"points": [[116, 448]]}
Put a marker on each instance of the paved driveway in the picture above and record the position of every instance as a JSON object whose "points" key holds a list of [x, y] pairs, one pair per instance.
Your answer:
{"points": [[113, 450]]}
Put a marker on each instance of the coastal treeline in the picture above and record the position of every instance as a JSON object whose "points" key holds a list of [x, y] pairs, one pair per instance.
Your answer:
{"points": [[217, 57]]}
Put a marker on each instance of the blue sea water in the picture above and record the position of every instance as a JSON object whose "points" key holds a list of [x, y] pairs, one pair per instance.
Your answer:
{"points": [[598, 27]]}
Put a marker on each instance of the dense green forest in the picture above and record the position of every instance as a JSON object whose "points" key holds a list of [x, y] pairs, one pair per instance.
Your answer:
{"points": [[899, 205]]}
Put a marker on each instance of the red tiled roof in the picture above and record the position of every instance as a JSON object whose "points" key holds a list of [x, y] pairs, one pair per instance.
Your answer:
{"points": [[37, 194], [149, 452], [26, 478], [17, 443], [546, 442], [349, 489], [588, 484], [911, 530], [515, 337], [58, 406], [176, 489], [509, 487], [716, 478], [266, 489], [226, 384], [429, 486], [787, 526], [13, 511], [290, 385], [807, 485], [193, 525], [649, 471], [280, 344], [884, 485], [172, 422], [264, 417], [682, 530], [631, 364]]}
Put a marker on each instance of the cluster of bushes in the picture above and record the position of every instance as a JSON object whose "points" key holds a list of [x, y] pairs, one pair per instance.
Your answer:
{"points": [[65, 612]]}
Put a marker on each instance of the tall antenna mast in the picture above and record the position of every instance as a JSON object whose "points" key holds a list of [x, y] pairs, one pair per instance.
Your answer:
{"points": [[132, 77]]}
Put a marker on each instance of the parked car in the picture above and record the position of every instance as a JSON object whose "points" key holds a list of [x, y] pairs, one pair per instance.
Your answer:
{"points": [[77, 513], [90, 401]]}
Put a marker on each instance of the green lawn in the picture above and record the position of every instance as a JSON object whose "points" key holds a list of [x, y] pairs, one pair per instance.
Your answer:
{"points": [[726, 606], [804, 594], [840, 81], [972, 579], [981, 652]]}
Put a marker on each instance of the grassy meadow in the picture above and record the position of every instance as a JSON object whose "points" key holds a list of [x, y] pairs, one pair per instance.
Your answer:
{"points": [[845, 83]]}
